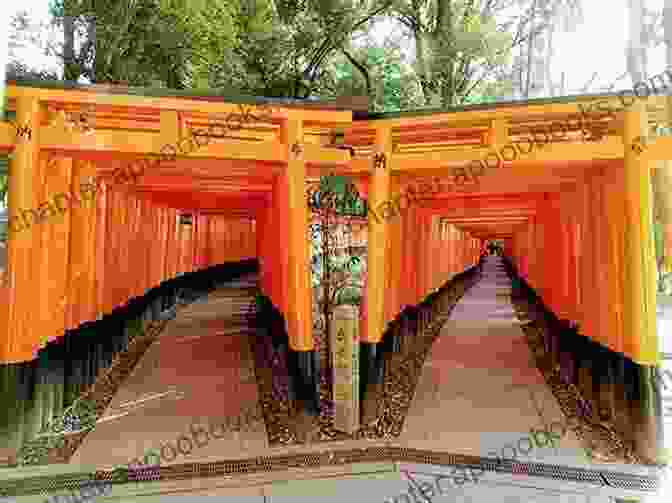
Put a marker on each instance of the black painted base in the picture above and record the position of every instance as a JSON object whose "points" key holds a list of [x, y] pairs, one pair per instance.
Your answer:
{"points": [[620, 389], [304, 374], [372, 374], [371, 367]]}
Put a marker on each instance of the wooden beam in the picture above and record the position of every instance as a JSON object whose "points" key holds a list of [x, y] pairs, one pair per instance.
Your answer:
{"points": [[121, 143], [552, 111], [485, 220], [277, 112], [609, 148], [315, 154], [660, 149], [201, 185], [56, 138], [186, 199]]}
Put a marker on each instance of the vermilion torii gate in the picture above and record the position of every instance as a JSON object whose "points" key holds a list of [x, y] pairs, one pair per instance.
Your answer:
{"points": [[575, 216]]}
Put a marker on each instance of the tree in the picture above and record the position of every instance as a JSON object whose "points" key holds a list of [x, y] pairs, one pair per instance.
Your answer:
{"points": [[545, 16], [275, 48], [77, 19], [333, 204], [662, 183], [141, 43], [24, 33], [376, 72], [291, 58], [636, 60], [460, 46]]}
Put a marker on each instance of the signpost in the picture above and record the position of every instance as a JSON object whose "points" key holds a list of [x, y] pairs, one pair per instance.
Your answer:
{"points": [[345, 364]]}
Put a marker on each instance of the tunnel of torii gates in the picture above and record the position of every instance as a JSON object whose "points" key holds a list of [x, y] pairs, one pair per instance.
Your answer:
{"points": [[574, 216]]}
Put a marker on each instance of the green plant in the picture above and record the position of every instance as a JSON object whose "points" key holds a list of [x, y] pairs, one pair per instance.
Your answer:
{"points": [[349, 295], [79, 416]]}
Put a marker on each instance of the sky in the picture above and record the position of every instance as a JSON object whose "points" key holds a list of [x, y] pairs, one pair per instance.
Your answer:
{"points": [[598, 45], [39, 11]]}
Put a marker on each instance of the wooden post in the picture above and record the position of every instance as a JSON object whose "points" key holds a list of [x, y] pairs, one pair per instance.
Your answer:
{"points": [[23, 203], [298, 279], [380, 210], [639, 274], [299, 293], [639, 259]]}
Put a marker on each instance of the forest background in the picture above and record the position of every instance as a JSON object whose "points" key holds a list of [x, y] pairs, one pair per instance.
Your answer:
{"points": [[435, 53]]}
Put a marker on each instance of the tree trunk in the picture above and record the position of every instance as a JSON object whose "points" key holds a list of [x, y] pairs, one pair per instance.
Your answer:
{"points": [[421, 66], [636, 51], [71, 69], [530, 51], [548, 57]]}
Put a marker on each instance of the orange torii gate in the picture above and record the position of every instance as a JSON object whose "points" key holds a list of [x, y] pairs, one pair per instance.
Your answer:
{"points": [[574, 214]]}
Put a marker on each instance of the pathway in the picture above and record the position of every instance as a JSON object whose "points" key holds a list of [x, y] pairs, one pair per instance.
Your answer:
{"points": [[198, 371], [478, 392], [479, 389]]}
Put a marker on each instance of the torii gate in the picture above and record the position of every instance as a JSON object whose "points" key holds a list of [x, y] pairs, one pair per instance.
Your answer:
{"points": [[575, 216]]}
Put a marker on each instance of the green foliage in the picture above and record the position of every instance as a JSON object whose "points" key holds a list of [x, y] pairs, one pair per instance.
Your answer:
{"points": [[658, 239], [387, 74], [664, 277], [350, 295], [302, 48], [25, 32], [4, 180], [293, 48], [80, 416], [337, 194], [263, 304], [78, 21], [205, 34], [338, 272], [461, 50], [259, 47]]}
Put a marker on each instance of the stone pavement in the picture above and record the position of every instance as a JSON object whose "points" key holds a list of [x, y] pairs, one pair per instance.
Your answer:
{"points": [[198, 371], [479, 389], [478, 392]]}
